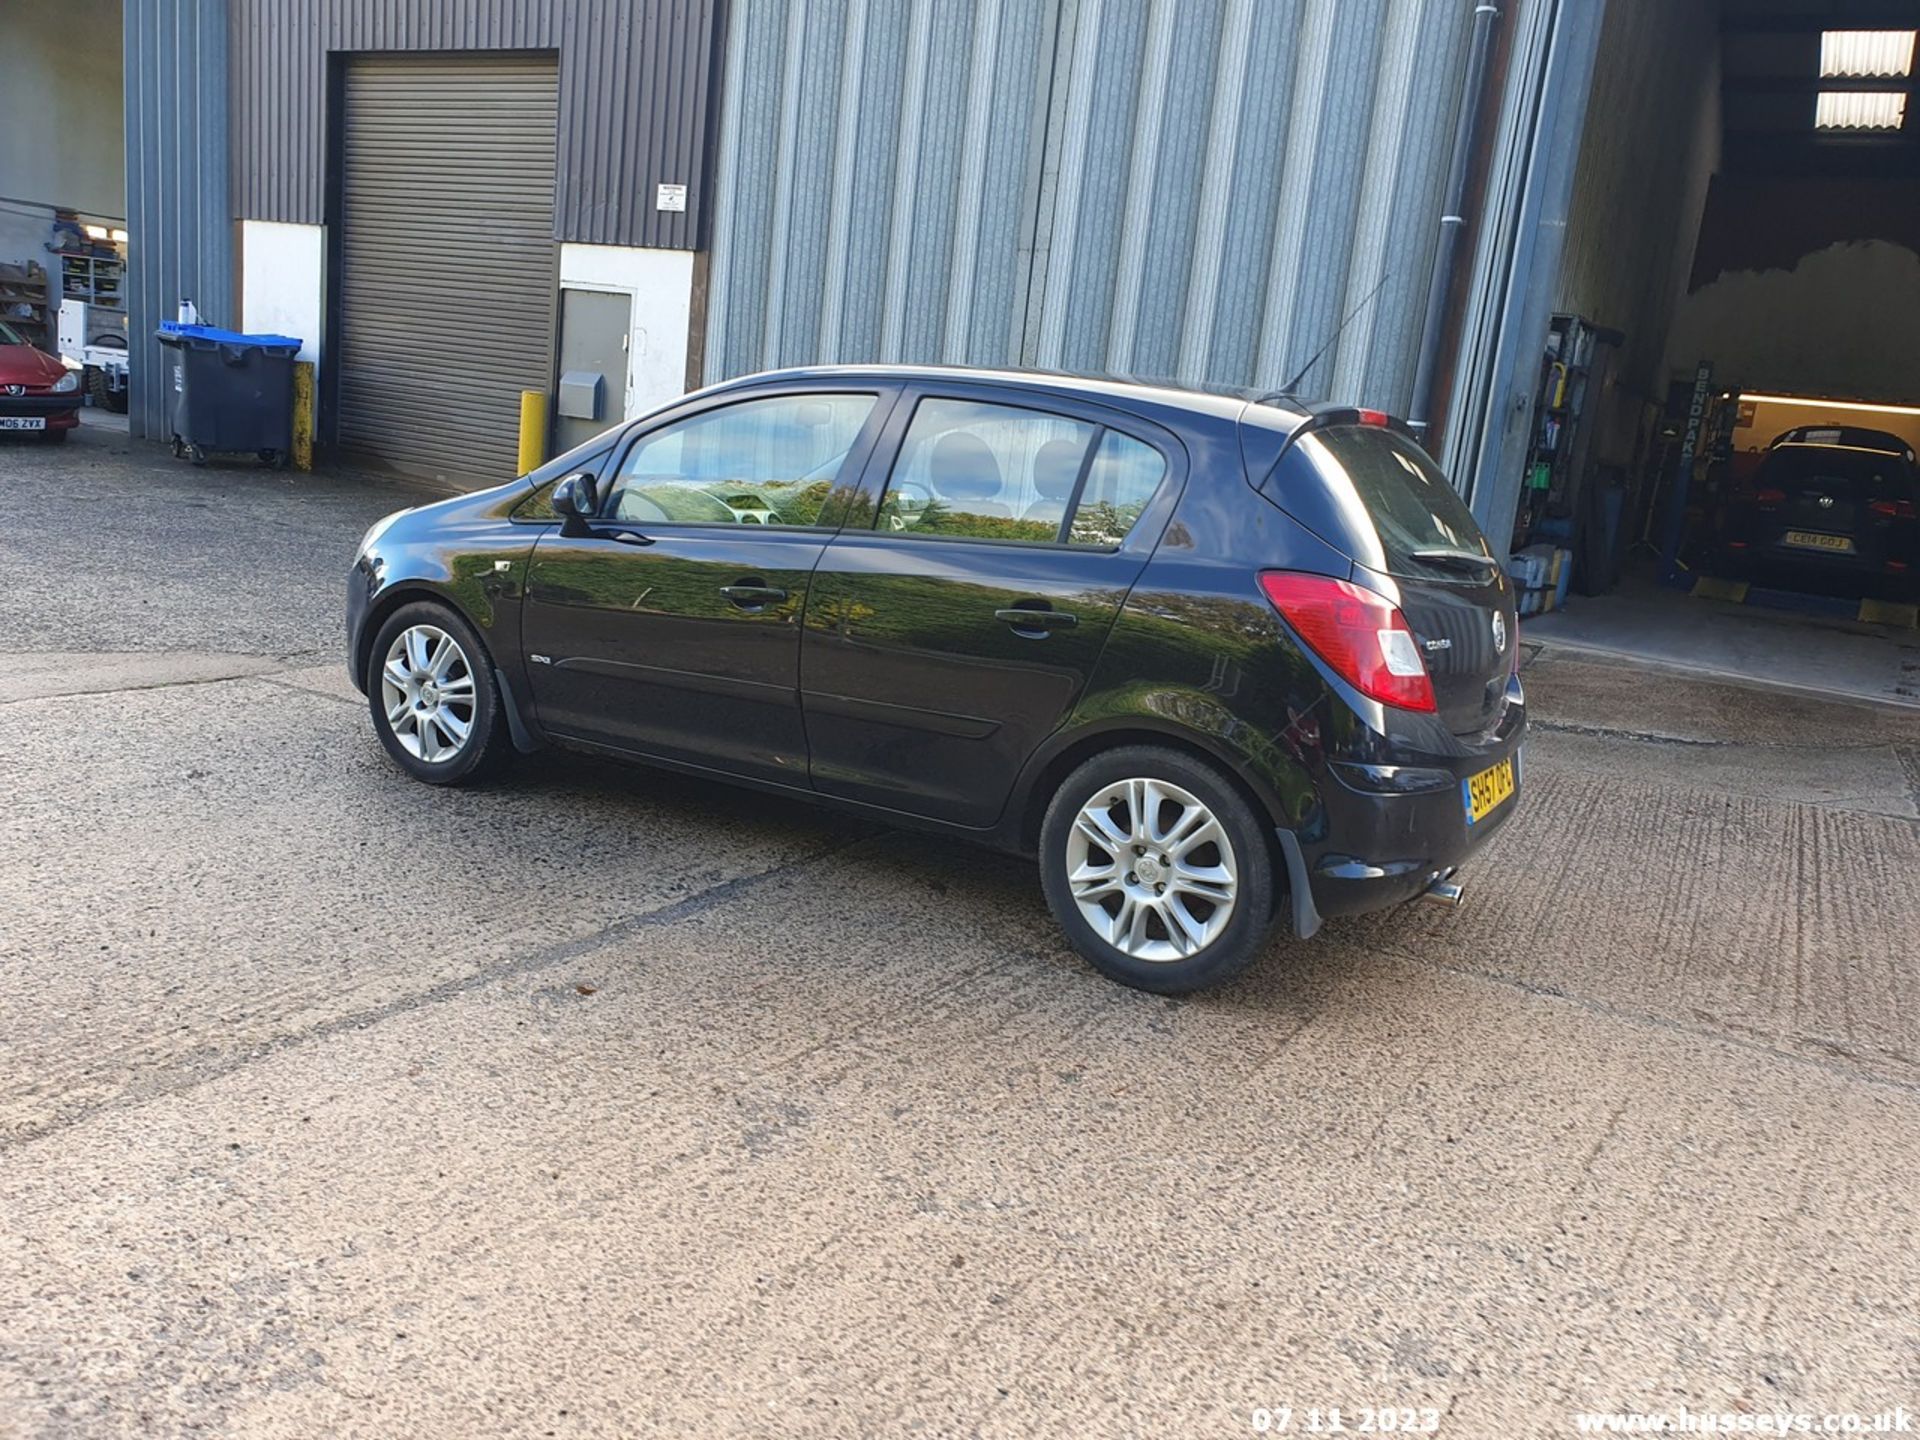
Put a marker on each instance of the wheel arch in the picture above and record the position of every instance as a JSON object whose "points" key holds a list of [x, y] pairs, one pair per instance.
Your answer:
{"points": [[1068, 752], [380, 610]]}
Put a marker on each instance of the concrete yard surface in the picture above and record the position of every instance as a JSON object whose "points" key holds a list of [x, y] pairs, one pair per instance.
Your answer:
{"points": [[600, 1102]]}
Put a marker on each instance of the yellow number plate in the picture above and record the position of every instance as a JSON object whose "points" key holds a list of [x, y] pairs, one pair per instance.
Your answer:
{"points": [[1815, 541], [1484, 792]]}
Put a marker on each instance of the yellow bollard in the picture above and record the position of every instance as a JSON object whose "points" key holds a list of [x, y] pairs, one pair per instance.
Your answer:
{"points": [[303, 415], [533, 429]]}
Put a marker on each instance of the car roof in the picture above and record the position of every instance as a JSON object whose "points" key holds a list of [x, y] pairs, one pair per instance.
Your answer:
{"points": [[1846, 437], [1224, 402]]}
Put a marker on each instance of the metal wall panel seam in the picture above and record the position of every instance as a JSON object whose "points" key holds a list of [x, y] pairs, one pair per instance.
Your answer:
{"points": [[968, 209], [1137, 212], [1313, 52], [795, 42], [1216, 192], [1047, 112], [853, 48], [1057, 293], [1386, 153], [900, 248], [728, 167]]}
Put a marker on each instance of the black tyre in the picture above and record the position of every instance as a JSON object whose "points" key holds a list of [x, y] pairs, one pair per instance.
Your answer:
{"points": [[434, 703], [1158, 870], [102, 394]]}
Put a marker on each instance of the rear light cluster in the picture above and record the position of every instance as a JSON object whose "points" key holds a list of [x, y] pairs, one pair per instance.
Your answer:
{"points": [[1361, 635], [1770, 497], [1892, 509]]}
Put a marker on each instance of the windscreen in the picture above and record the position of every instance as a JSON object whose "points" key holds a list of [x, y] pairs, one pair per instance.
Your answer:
{"points": [[1425, 530], [9, 335], [1860, 475]]}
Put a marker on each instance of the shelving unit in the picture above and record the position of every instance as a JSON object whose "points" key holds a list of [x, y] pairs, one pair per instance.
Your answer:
{"points": [[23, 301], [95, 278]]}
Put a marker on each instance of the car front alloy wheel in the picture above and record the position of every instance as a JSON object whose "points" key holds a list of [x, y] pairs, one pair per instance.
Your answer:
{"points": [[426, 685], [431, 689]]}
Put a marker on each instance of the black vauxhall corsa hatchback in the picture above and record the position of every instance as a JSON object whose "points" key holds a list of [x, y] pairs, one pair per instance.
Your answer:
{"points": [[1218, 659]]}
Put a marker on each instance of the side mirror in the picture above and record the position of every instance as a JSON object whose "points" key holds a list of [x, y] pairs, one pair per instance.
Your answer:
{"points": [[575, 499]]}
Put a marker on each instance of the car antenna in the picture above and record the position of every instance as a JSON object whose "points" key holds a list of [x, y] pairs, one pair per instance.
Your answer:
{"points": [[1338, 331]]}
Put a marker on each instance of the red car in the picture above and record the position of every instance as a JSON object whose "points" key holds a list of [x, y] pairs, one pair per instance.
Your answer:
{"points": [[38, 393]]}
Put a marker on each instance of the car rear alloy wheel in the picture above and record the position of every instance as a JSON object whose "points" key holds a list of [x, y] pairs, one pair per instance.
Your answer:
{"points": [[426, 684], [1158, 869], [435, 704], [1151, 870]]}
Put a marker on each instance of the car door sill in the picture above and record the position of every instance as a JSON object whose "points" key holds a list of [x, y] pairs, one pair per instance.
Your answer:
{"points": [[905, 818]]}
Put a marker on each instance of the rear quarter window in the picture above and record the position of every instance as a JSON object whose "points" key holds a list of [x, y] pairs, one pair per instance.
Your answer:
{"points": [[1396, 501]]}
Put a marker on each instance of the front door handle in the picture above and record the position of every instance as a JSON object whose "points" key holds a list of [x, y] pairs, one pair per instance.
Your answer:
{"points": [[753, 597], [1021, 618]]}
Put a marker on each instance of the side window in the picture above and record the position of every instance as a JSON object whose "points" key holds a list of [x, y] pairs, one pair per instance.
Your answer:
{"points": [[760, 462], [971, 470], [590, 456], [1120, 482]]}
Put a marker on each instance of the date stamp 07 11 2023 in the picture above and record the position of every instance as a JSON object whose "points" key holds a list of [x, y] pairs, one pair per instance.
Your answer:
{"points": [[1345, 1420]]}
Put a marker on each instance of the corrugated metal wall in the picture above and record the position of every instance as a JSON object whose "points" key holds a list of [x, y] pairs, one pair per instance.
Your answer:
{"points": [[179, 226], [635, 100], [1201, 189], [872, 192]]}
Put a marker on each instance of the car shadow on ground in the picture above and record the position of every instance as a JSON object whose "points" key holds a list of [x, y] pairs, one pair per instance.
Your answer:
{"points": [[1000, 893]]}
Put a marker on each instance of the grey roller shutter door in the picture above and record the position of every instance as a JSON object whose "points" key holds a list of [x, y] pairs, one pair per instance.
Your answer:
{"points": [[447, 260]]}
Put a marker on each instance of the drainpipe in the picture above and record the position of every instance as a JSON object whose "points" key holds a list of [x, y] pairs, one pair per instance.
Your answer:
{"points": [[1452, 220]]}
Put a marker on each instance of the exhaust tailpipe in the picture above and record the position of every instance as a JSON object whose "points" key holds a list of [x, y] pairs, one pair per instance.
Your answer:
{"points": [[1444, 892]]}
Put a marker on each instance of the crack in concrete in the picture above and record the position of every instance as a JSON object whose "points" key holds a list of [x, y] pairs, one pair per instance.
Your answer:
{"points": [[280, 664], [185, 1079], [1643, 737], [1856, 1071]]}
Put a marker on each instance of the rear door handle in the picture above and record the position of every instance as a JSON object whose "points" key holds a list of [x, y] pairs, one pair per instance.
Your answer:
{"points": [[1024, 619], [753, 597]]}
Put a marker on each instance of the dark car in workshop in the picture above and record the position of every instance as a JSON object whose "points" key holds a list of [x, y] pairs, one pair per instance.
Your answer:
{"points": [[39, 392], [1219, 660], [1829, 510]]}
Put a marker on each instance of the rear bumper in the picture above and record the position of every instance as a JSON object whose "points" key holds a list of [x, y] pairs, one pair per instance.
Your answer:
{"points": [[1376, 849], [1848, 576]]}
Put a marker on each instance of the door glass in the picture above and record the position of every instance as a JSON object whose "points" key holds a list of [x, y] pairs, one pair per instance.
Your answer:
{"points": [[969, 470], [761, 462], [1121, 480]]}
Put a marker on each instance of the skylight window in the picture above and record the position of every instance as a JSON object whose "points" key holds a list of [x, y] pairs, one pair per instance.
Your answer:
{"points": [[1859, 110], [1863, 55], [1866, 52]]}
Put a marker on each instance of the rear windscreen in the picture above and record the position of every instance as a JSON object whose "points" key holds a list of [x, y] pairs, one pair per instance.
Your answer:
{"points": [[1863, 475], [1409, 502]]}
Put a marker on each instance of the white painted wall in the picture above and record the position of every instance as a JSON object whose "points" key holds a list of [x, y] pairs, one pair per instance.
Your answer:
{"points": [[660, 283], [282, 280], [1842, 322]]}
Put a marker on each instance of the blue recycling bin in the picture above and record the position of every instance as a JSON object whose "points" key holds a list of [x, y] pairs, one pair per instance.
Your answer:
{"points": [[229, 392]]}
